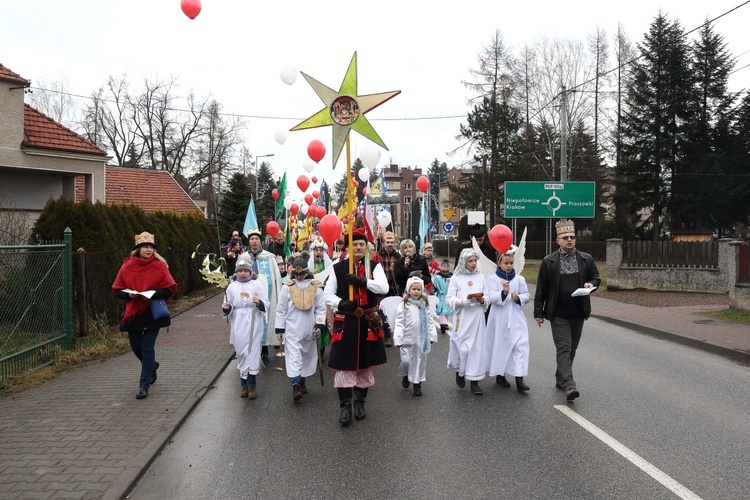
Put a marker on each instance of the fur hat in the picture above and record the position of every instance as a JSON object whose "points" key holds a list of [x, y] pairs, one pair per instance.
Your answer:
{"points": [[236, 233], [244, 261], [565, 226], [412, 280], [144, 238]]}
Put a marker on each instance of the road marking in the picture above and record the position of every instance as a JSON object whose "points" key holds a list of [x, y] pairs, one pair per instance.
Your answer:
{"points": [[626, 452]]}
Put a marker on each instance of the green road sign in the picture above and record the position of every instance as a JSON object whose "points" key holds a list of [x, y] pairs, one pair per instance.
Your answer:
{"points": [[550, 199]]}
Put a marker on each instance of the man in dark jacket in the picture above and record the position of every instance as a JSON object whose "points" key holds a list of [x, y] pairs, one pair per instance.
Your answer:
{"points": [[561, 274]]}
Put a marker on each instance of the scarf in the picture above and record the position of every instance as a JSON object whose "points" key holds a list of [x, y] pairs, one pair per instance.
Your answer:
{"points": [[141, 275], [424, 333], [506, 276]]}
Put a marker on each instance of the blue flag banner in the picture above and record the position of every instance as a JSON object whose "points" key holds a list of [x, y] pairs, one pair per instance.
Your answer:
{"points": [[424, 225], [251, 220]]}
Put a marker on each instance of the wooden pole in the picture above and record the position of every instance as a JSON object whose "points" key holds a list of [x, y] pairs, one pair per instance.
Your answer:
{"points": [[351, 200]]}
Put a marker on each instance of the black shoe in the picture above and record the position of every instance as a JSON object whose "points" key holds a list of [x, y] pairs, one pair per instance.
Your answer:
{"points": [[502, 381], [418, 389], [153, 376], [345, 417], [521, 385], [571, 394], [142, 393], [475, 389], [359, 410], [443, 329], [264, 352], [460, 381], [405, 382]]}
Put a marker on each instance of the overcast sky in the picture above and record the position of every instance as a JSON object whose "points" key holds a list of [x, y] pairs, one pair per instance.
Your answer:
{"points": [[235, 50]]}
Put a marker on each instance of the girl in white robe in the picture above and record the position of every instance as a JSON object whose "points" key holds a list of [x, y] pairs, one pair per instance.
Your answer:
{"points": [[466, 296], [507, 340], [300, 311], [413, 333], [246, 304]]}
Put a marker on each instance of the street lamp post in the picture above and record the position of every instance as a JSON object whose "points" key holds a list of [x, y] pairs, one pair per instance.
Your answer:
{"points": [[257, 170]]}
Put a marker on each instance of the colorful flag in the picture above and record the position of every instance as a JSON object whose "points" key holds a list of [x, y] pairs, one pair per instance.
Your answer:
{"points": [[282, 196], [288, 238]]}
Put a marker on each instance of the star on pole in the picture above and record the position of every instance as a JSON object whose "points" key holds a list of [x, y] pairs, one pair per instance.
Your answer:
{"points": [[345, 110]]}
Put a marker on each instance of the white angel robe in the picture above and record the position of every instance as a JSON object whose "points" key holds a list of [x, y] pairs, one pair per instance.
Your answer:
{"points": [[268, 270], [507, 337], [466, 351], [246, 324], [406, 333], [300, 346]]}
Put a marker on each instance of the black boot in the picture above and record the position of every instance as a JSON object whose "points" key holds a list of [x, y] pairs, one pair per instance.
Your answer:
{"points": [[475, 389], [460, 381], [359, 403], [418, 389], [345, 403], [443, 329], [502, 381], [521, 385]]}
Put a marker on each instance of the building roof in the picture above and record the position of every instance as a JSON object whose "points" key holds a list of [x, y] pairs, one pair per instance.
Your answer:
{"points": [[40, 131], [152, 190], [9, 76]]}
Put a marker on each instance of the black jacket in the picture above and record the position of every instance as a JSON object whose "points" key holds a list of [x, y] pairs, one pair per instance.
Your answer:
{"points": [[548, 283], [401, 272]]}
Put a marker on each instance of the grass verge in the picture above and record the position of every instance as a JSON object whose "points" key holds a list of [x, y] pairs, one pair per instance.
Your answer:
{"points": [[731, 315], [104, 341]]}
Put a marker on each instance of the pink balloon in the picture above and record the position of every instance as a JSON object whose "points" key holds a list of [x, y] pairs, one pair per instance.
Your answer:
{"points": [[303, 182], [316, 150], [423, 184], [501, 238], [191, 8], [330, 228], [314, 180], [272, 228]]}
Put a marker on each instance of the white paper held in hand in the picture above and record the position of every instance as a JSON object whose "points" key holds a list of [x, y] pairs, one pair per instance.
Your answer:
{"points": [[148, 293], [583, 291]]}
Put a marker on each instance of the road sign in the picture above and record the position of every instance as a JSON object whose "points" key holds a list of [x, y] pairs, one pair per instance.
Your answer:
{"points": [[448, 227], [433, 228], [550, 199], [448, 213]]}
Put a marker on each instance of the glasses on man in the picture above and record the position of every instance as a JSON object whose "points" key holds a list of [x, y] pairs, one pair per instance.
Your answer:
{"points": [[567, 238]]}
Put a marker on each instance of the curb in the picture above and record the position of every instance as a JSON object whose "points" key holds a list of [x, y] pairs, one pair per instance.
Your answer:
{"points": [[702, 345]]}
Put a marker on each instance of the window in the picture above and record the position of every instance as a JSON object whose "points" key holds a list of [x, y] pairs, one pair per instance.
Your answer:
{"points": [[407, 200], [407, 186]]}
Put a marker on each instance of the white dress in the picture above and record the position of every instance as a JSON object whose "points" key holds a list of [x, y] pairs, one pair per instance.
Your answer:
{"points": [[246, 324], [507, 337], [406, 334], [300, 346], [466, 351], [268, 270]]}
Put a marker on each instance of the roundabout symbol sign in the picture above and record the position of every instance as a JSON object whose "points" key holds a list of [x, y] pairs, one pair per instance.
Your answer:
{"points": [[550, 199]]}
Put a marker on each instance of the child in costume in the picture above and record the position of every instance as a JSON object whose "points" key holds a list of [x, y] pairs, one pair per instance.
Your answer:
{"points": [[441, 282], [413, 333], [507, 340], [246, 304], [466, 296]]}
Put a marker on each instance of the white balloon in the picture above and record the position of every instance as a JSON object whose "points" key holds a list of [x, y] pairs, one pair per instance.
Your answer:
{"points": [[384, 218], [309, 165], [288, 75], [370, 156], [280, 136], [304, 208], [288, 202], [363, 174]]}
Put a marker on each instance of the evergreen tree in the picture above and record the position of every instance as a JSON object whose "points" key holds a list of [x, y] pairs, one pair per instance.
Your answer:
{"points": [[437, 173], [656, 108], [233, 208], [736, 200], [265, 205]]}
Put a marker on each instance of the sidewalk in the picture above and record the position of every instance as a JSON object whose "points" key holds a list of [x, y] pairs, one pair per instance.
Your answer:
{"points": [[84, 435]]}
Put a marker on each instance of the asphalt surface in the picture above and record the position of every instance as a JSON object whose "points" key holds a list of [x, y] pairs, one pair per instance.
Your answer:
{"points": [[84, 435]]}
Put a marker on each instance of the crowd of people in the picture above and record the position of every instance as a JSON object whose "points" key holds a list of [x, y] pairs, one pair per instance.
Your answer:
{"points": [[308, 299]]}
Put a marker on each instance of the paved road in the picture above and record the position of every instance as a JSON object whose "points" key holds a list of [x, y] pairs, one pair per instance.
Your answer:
{"points": [[679, 414]]}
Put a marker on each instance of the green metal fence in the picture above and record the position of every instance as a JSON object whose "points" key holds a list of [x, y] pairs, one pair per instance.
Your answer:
{"points": [[36, 304]]}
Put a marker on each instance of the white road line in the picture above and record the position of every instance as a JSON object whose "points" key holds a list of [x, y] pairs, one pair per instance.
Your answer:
{"points": [[626, 452]]}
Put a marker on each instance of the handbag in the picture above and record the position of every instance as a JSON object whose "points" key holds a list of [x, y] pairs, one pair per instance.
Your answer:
{"points": [[159, 308]]}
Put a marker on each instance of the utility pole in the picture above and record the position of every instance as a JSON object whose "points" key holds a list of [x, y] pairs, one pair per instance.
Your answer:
{"points": [[563, 135]]}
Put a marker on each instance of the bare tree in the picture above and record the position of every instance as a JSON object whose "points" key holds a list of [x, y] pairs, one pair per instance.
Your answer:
{"points": [[53, 99]]}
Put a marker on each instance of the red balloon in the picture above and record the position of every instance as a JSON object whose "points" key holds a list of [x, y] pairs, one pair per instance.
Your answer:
{"points": [[364, 191], [316, 150], [294, 209], [316, 194], [275, 194], [315, 180], [272, 228], [308, 199], [321, 212], [330, 228], [303, 182], [423, 184], [501, 238], [191, 8], [356, 184]]}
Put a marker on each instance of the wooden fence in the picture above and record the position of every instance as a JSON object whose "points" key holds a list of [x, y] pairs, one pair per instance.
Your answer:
{"points": [[675, 254], [744, 274]]}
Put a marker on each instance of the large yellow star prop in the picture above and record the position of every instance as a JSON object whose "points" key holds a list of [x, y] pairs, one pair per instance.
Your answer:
{"points": [[345, 110]]}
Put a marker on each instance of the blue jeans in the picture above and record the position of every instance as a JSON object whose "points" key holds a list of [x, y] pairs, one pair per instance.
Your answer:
{"points": [[142, 344], [247, 382], [297, 380]]}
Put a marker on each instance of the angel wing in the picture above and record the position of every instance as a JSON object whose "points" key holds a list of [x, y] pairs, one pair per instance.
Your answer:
{"points": [[486, 266], [322, 276], [519, 257], [389, 306]]}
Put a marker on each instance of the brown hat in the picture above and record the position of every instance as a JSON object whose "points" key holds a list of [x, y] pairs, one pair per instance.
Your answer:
{"points": [[144, 238]]}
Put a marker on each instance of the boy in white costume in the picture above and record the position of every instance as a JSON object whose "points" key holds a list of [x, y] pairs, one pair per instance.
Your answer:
{"points": [[246, 304], [466, 296], [300, 316], [413, 333], [507, 337]]}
